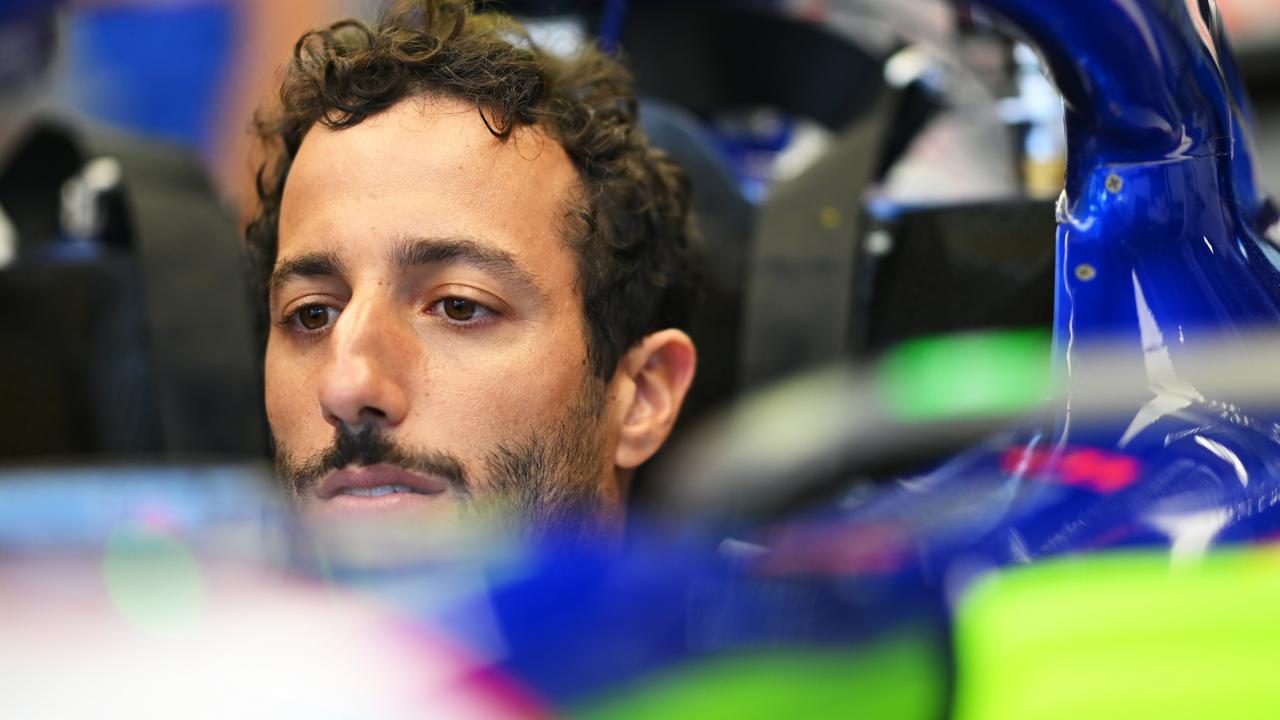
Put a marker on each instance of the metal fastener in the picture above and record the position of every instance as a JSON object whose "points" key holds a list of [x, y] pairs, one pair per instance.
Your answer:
{"points": [[1086, 272], [879, 243], [1114, 183]]}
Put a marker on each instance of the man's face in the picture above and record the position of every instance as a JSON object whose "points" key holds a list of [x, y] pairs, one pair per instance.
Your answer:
{"points": [[427, 354]]}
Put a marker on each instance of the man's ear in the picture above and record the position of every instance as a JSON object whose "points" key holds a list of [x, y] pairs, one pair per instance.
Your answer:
{"points": [[656, 375]]}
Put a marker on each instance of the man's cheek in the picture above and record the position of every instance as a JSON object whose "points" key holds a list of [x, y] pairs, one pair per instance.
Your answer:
{"points": [[288, 411], [511, 410], [271, 381]]}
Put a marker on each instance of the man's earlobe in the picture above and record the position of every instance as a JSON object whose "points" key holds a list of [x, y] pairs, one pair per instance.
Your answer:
{"points": [[660, 369]]}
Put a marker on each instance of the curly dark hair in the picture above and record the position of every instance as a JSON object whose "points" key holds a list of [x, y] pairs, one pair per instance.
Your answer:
{"points": [[636, 264]]}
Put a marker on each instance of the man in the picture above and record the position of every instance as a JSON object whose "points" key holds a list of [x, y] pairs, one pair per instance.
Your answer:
{"points": [[475, 269]]}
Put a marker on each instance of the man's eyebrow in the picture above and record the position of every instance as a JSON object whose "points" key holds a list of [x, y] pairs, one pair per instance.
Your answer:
{"points": [[434, 251], [306, 265]]}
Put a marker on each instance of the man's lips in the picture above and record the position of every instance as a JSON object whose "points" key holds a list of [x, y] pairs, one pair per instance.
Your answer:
{"points": [[377, 481]]}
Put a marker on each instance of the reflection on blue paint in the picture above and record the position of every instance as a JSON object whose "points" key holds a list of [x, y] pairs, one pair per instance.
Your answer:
{"points": [[1162, 250]]}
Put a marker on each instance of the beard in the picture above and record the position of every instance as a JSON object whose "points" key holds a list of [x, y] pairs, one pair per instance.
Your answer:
{"points": [[548, 484]]}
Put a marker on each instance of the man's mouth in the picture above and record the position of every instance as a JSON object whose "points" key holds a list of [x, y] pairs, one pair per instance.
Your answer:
{"points": [[378, 487], [378, 491]]}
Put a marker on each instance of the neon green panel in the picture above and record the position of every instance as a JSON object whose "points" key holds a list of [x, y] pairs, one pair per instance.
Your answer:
{"points": [[900, 679], [966, 375], [1123, 635]]}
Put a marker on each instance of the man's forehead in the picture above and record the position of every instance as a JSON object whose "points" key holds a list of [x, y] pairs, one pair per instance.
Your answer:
{"points": [[408, 253], [436, 134], [428, 168]]}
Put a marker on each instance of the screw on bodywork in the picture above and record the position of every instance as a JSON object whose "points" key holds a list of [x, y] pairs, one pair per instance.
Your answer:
{"points": [[879, 243], [1086, 272], [830, 217], [1114, 183]]}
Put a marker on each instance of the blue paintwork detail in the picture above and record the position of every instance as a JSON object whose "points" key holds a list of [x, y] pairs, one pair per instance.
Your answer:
{"points": [[1161, 250], [612, 20], [1137, 78], [579, 625]]}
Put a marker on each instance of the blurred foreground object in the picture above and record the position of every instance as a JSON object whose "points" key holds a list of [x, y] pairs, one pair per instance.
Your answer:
{"points": [[153, 591], [1121, 635], [159, 592]]}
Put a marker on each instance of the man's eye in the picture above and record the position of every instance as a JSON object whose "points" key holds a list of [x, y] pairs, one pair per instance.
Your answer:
{"points": [[313, 317], [462, 310]]}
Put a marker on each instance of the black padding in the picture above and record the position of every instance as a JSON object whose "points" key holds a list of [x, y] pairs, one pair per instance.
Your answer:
{"points": [[31, 181], [710, 56], [960, 267], [199, 308], [724, 219], [137, 347], [799, 300], [75, 374]]}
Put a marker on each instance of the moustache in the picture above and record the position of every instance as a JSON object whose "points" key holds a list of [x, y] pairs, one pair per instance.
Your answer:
{"points": [[368, 446]]}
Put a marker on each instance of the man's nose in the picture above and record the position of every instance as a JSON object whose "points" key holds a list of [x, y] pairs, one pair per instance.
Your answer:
{"points": [[361, 383]]}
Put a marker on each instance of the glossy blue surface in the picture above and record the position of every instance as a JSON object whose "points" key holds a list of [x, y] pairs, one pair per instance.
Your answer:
{"points": [[1161, 251]]}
